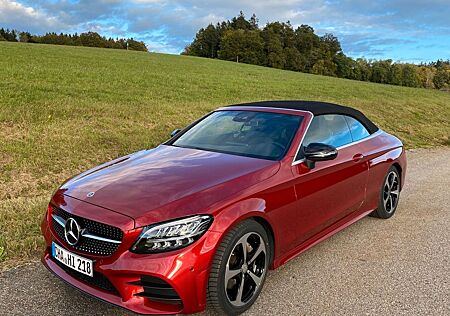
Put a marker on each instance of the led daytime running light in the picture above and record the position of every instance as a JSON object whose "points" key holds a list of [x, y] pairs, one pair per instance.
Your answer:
{"points": [[172, 235]]}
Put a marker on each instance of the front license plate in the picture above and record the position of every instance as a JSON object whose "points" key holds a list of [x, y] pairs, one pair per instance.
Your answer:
{"points": [[73, 261]]}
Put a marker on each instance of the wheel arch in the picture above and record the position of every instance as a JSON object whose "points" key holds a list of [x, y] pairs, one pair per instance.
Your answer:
{"points": [[400, 171], [268, 228], [250, 209]]}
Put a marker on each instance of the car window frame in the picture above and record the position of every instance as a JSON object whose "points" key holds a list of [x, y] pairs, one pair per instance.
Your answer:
{"points": [[296, 161]]}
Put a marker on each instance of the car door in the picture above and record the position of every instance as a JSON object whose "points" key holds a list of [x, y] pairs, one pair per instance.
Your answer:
{"points": [[332, 189]]}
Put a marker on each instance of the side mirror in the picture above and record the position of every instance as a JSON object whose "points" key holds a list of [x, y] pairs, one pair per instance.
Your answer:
{"points": [[174, 132], [318, 152]]}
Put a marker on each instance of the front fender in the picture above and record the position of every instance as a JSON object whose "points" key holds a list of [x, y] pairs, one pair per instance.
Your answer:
{"points": [[237, 212], [240, 211]]}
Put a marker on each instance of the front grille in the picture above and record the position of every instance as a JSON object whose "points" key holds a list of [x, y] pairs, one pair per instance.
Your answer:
{"points": [[98, 280], [89, 245], [157, 290]]}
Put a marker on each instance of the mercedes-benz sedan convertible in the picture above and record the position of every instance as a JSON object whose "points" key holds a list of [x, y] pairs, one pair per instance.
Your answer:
{"points": [[202, 217]]}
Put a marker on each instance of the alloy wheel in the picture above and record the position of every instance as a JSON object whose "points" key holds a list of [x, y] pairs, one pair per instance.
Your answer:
{"points": [[391, 192], [246, 268]]}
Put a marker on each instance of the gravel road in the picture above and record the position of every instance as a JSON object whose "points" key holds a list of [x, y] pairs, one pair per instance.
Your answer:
{"points": [[399, 266]]}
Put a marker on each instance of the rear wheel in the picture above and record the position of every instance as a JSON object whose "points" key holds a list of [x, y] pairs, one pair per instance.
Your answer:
{"points": [[389, 195], [239, 268]]}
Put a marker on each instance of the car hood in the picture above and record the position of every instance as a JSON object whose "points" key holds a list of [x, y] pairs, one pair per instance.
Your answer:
{"points": [[167, 182]]}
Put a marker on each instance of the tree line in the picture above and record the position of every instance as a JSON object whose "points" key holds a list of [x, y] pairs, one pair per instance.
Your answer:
{"points": [[89, 39], [279, 45]]}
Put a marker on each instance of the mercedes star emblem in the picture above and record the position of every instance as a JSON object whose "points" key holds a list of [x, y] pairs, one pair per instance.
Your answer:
{"points": [[72, 231]]}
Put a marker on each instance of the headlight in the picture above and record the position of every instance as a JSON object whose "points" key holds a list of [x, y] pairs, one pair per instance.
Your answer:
{"points": [[171, 235]]}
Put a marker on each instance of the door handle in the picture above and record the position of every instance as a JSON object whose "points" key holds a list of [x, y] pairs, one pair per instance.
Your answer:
{"points": [[357, 157]]}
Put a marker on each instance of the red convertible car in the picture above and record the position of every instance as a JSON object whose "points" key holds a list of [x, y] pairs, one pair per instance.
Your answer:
{"points": [[201, 218]]}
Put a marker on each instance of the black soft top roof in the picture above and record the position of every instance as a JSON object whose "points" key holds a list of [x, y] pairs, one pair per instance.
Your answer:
{"points": [[317, 108]]}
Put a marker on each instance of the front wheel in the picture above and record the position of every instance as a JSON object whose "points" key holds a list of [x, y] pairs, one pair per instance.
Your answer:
{"points": [[389, 195], [239, 268]]}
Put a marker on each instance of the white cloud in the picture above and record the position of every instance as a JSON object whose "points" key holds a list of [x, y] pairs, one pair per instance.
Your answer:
{"points": [[211, 18], [16, 15]]}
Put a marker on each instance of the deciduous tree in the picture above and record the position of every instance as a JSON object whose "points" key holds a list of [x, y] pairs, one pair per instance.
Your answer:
{"points": [[242, 46]]}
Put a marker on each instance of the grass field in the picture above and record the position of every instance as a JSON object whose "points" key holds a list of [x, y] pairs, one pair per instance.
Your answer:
{"points": [[65, 109]]}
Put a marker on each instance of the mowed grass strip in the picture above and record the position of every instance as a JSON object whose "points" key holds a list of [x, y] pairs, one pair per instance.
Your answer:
{"points": [[66, 109]]}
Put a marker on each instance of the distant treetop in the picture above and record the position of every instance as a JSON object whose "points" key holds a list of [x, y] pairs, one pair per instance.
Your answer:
{"points": [[89, 39], [279, 45]]}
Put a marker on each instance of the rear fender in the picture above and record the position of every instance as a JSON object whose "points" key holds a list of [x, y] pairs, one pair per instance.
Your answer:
{"points": [[378, 167]]}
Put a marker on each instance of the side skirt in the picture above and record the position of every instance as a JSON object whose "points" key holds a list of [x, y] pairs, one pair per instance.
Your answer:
{"points": [[324, 234]]}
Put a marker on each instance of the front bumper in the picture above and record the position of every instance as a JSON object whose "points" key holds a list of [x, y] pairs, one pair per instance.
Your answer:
{"points": [[185, 270]]}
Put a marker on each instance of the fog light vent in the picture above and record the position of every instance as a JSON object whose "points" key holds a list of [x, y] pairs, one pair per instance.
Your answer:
{"points": [[157, 289]]}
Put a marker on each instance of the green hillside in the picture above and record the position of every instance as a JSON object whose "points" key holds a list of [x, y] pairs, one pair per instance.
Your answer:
{"points": [[65, 109]]}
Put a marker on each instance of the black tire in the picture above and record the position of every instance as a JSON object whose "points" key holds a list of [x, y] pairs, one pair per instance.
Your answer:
{"points": [[389, 195], [220, 289]]}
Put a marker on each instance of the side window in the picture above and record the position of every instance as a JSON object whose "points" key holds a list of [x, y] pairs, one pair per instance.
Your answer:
{"points": [[329, 129], [356, 128]]}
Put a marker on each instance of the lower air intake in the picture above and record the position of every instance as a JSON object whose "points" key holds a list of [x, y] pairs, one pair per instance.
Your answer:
{"points": [[157, 290]]}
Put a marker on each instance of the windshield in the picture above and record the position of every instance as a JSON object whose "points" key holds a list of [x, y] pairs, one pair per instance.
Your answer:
{"points": [[254, 134]]}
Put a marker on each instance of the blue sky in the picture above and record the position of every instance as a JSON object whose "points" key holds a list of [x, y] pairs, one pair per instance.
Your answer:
{"points": [[402, 30]]}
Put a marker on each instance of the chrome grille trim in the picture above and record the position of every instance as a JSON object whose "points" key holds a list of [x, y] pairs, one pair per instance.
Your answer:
{"points": [[91, 236], [59, 220], [84, 232]]}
